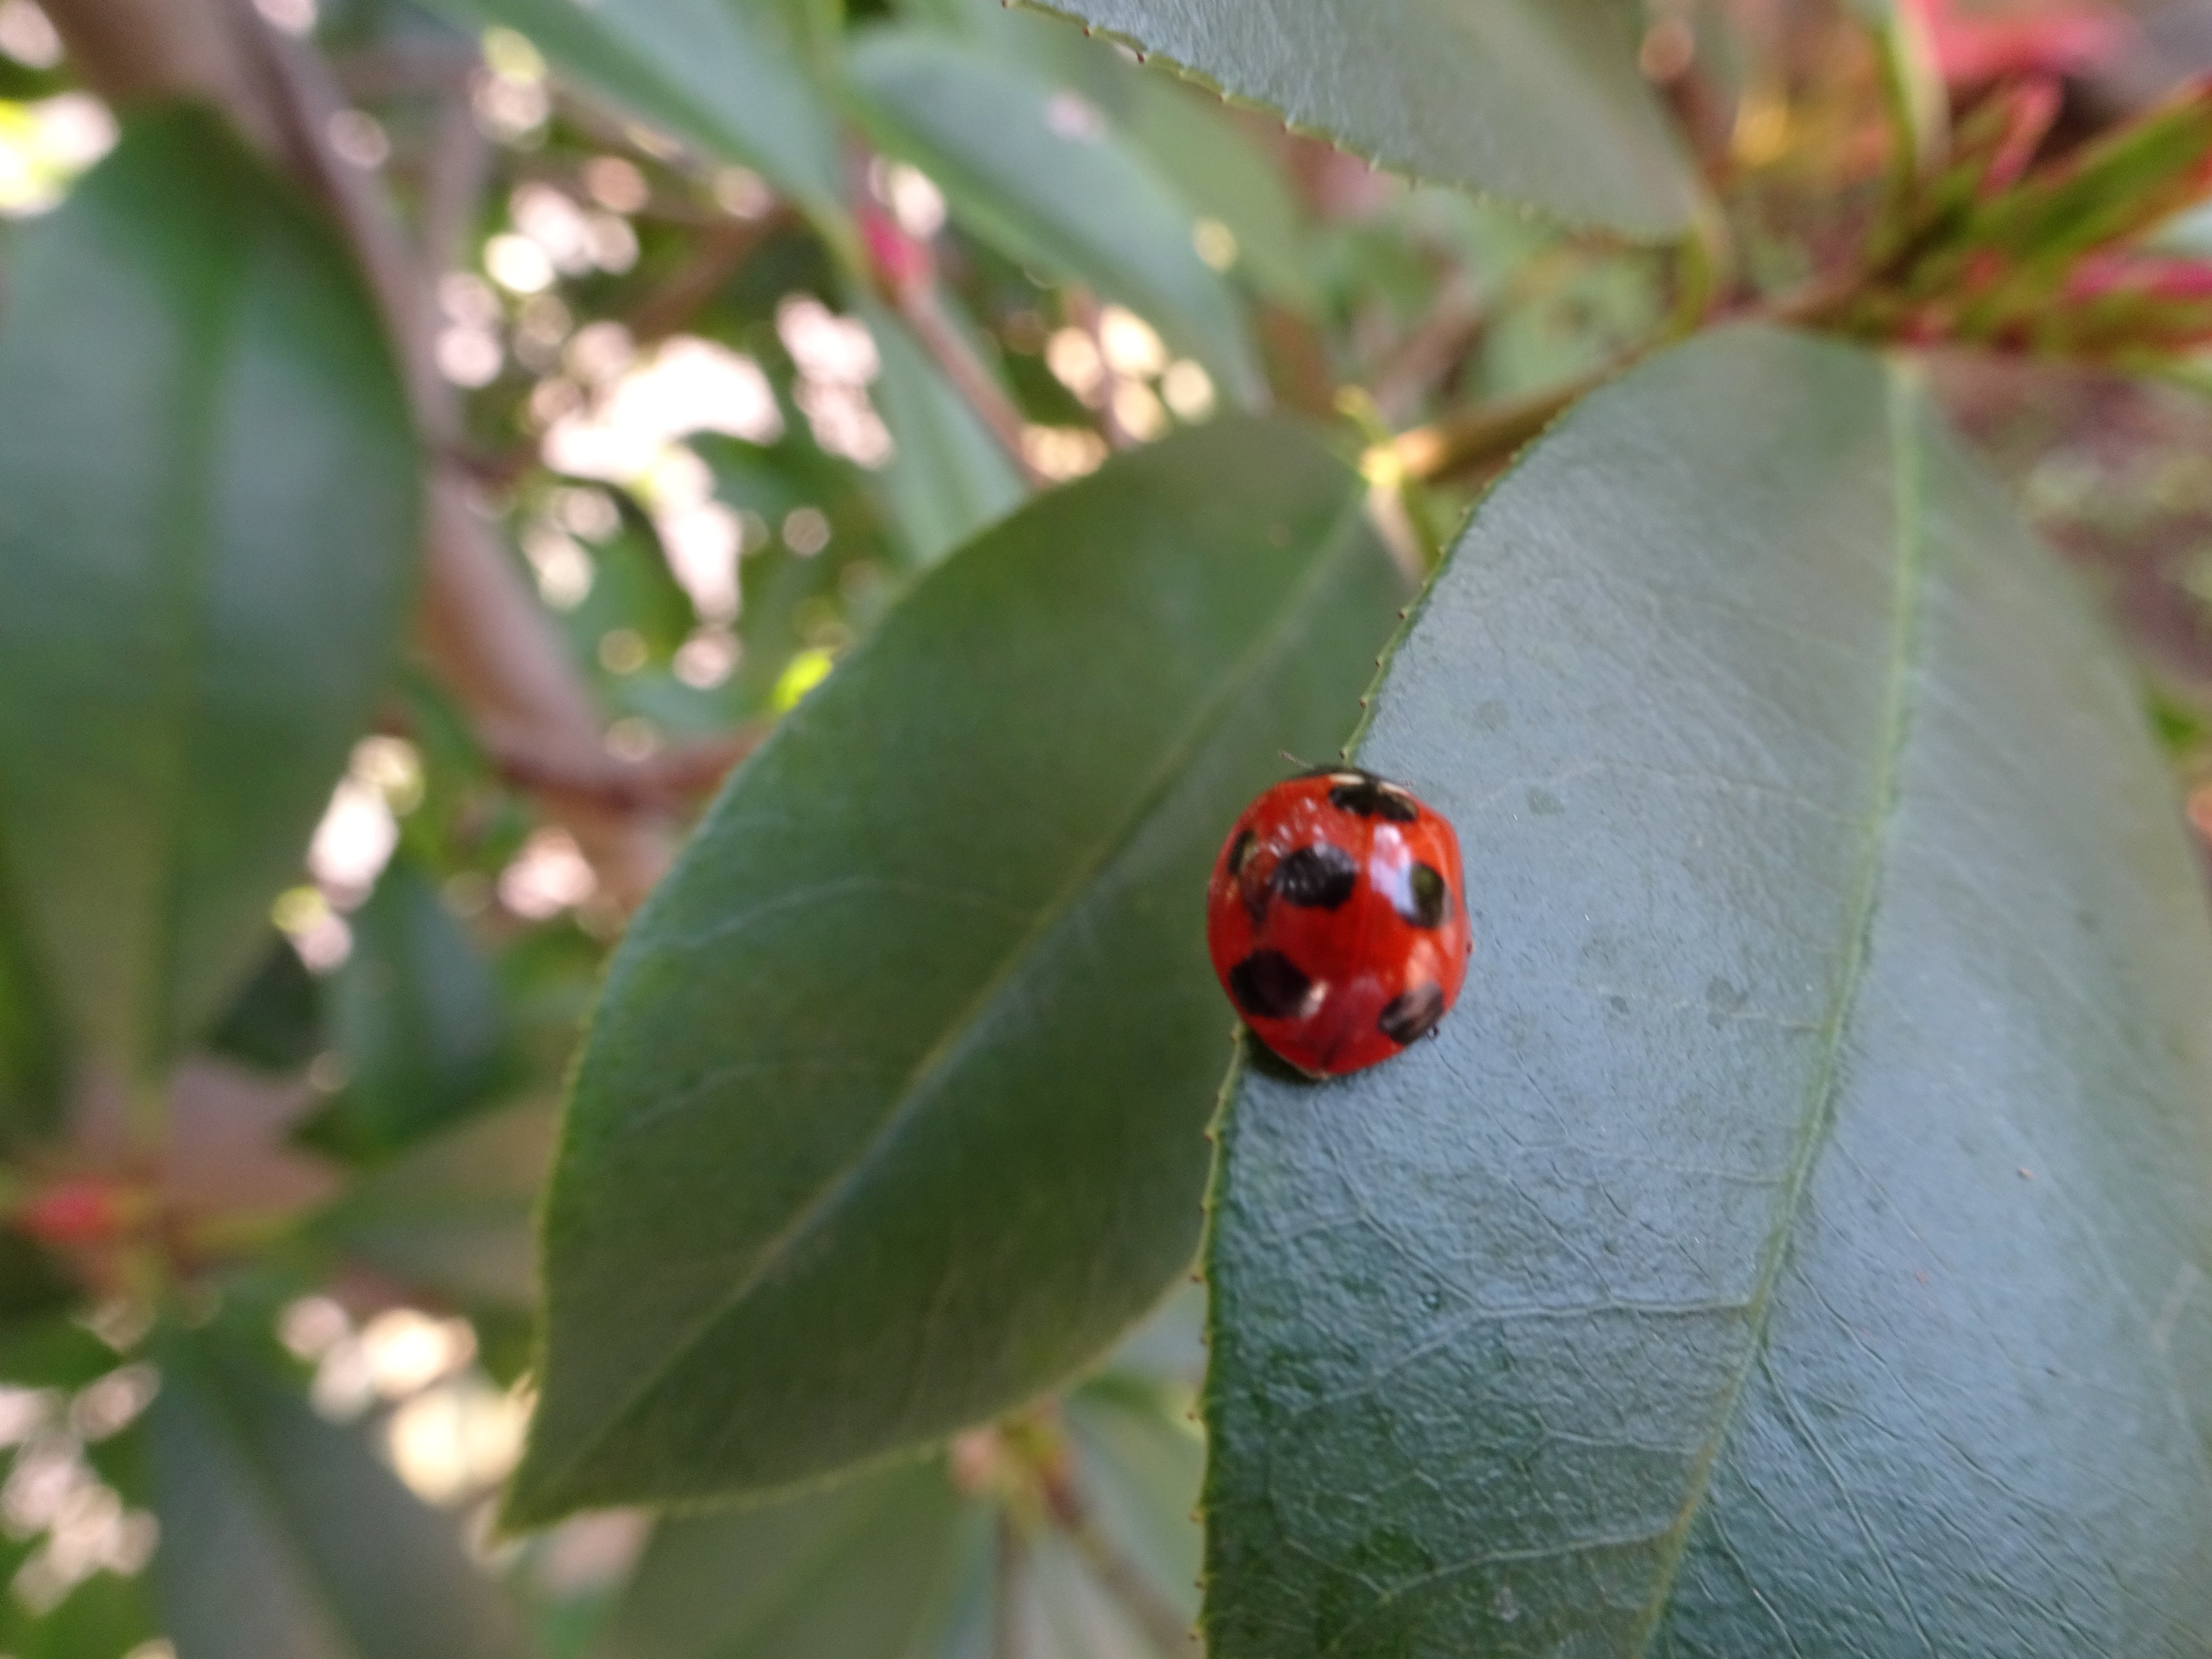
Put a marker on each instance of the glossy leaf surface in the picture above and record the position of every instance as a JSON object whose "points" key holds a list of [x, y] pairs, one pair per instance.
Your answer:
{"points": [[208, 502], [890, 1113], [729, 77], [1797, 1238], [282, 1534], [1539, 101], [1043, 174]]}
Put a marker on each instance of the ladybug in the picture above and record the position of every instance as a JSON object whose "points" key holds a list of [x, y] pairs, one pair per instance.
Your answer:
{"points": [[1336, 919]]}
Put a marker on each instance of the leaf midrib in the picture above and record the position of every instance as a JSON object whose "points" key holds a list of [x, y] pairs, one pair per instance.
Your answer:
{"points": [[1911, 589], [919, 1085]]}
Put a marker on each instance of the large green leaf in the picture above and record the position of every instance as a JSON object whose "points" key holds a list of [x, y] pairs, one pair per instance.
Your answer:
{"points": [[731, 76], [1536, 100], [284, 1535], [1796, 1240], [890, 1115], [208, 499], [1043, 176]]}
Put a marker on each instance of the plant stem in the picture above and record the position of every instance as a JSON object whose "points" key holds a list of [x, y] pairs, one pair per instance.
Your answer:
{"points": [[1121, 1578], [1468, 438], [1005, 1589], [920, 304]]}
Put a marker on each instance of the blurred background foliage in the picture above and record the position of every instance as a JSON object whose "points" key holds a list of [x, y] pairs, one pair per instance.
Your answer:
{"points": [[748, 314]]}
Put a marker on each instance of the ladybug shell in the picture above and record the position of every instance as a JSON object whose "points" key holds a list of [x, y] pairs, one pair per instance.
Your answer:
{"points": [[1337, 919]]}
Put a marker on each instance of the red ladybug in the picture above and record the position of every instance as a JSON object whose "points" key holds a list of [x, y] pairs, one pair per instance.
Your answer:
{"points": [[1336, 919]]}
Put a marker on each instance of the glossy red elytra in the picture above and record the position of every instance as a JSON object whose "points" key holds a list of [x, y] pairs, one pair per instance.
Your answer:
{"points": [[1337, 919]]}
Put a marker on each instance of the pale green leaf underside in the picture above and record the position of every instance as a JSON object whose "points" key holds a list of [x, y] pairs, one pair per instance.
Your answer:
{"points": [[208, 512], [1797, 1238], [890, 1115], [1537, 101]]}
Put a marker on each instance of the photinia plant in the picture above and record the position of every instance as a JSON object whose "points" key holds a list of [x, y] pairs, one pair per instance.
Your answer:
{"points": [[665, 1107]]}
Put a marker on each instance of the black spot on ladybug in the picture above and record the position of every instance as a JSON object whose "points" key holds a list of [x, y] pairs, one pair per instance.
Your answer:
{"points": [[1317, 877], [1370, 797], [1423, 898], [1240, 850], [1268, 985], [1412, 1014]]}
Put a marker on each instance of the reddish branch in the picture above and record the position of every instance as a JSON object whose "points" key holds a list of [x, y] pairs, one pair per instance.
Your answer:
{"points": [[661, 783]]}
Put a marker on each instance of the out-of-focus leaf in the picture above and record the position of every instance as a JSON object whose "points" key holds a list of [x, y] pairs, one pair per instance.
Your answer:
{"points": [[51, 1352], [896, 1563], [33, 1288], [949, 478], [104, 1616], [285, 1535], [870, 1568], [452, 1216], [926, 996], [416, 1017], [1041, 174], [727, 76], [1202, 156], [33, 1068], [208, 499], [1039, 44], [1216, 169], [632, 587], [1797, 1237], [1536, 100], [276, 1023]]}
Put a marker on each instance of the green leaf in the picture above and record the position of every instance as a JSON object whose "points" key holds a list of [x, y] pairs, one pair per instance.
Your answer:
{"points": [[890, 1116], [1226, 178], [1041, 174], [104, 1616], [416, 1016], [897, 1564], [275, 1021], [1797, 1238], [282, 1534], [729, 77], [208, 502], [1218, 171], [949, 478], [871, 1568], [1536, 100], [32, 1067], [452, 1216]]}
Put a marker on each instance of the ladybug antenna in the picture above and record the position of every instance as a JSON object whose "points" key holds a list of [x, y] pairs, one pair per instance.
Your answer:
{"points": [[1294, 760]]}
